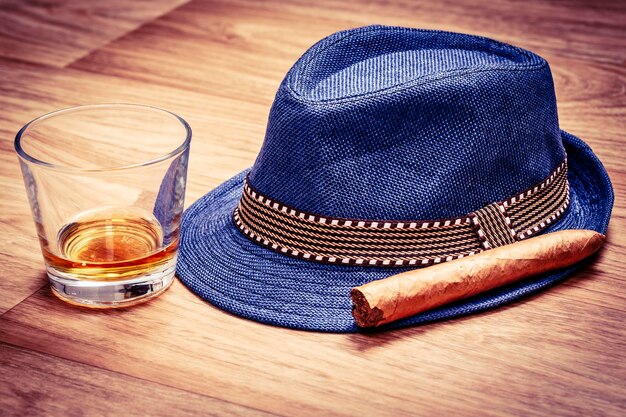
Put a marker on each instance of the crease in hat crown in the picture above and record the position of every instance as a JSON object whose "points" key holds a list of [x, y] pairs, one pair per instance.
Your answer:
{"points": [[396, 123]]}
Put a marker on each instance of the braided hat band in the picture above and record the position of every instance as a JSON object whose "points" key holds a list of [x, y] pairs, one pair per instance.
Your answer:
{"points": [[344, 241]]}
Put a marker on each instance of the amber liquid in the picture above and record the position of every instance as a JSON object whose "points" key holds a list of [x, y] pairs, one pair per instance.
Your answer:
{"points": [[113, 244]]}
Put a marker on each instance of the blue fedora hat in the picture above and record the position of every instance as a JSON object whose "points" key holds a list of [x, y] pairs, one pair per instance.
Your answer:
{"points": [[390, 148]]}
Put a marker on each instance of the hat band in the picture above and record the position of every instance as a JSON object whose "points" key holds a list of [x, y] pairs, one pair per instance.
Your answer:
{"points": [[296, 233]]}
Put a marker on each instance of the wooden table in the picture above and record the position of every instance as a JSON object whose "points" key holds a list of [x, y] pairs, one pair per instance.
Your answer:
{"points": [[218, 64]]}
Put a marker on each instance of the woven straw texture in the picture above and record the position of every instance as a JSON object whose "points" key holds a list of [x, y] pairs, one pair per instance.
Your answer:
{"points": [[389, 123]]}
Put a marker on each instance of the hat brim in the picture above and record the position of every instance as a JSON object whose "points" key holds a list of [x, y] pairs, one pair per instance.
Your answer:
{"points": [[217, 262]]}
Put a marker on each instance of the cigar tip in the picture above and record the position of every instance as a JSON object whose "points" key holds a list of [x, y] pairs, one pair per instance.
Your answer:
{"points": [[586, 241], [594, 233], [599, 241], [596, 239], [364, 315]]}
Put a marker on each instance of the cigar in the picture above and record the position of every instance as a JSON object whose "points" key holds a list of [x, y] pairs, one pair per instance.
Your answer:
{"points": [[408, 293]]}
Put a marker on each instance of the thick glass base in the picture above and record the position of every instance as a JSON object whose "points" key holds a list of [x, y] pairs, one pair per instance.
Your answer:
{"points": [[112, 294]]}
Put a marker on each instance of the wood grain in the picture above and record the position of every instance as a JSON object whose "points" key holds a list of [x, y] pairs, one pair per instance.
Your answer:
{"points": [[218, 64], [59, 32], [514, 359], [40, 385]]}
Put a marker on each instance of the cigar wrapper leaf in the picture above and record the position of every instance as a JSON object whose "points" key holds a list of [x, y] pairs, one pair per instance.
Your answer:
{"points": [[408, 293]]}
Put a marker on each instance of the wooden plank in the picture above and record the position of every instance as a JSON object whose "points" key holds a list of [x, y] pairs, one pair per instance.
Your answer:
{"points": [[32, 384], [217, 64], [58, 33], [551, 354], [590, 32]]}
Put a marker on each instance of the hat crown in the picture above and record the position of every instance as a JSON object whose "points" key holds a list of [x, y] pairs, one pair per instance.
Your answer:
{"points": [[396, 123]]}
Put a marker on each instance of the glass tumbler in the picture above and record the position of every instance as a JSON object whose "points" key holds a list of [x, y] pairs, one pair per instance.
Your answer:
{"points": [[106, 185]]}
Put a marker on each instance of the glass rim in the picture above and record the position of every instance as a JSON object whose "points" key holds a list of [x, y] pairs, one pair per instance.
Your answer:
{"points": [[24, 155]]}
